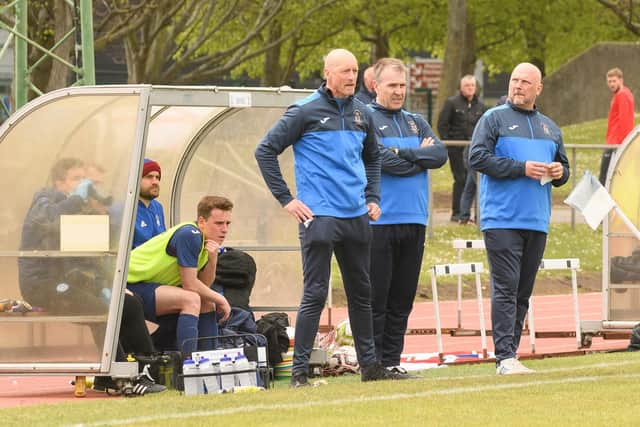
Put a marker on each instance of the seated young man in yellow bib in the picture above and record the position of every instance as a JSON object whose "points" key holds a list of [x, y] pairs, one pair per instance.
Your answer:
{"points": [[173, 271]]}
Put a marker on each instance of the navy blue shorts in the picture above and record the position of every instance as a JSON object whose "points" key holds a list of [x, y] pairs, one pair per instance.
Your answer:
{"points": [[147, 292]]}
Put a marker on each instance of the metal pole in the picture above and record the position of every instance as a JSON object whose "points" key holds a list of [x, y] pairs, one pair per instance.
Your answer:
{"points": [[459, 291], [20, 84], [86, 28], [627, 222], [573, 185], [532, 328], [576, 307], [483, 329], [436, 309]]}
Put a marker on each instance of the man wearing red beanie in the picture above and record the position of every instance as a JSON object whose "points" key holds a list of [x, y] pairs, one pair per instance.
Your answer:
{"points": [[150, 216]]}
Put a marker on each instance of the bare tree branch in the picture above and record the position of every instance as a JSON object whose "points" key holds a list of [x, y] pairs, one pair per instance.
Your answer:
{"points": [[484, 47], [220, 63], [625, 10]]}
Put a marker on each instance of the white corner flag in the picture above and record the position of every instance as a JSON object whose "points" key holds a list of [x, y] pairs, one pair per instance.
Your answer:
{"points": [[593, 201]]}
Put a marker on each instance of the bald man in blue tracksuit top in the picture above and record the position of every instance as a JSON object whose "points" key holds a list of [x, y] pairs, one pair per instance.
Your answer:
{"points": [[408, 147], [337, 168], [520, 153]]}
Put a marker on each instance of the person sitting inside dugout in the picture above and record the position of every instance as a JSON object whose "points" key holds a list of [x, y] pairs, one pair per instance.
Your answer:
{"points": [[62, 285]]}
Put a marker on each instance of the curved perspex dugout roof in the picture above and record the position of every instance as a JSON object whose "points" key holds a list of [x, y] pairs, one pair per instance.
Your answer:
{"points": [[621, 249], [68, 259]]}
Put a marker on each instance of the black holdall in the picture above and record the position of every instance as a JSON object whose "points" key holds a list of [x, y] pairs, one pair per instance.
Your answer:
{"points": [[625, 269], [274, 327]]}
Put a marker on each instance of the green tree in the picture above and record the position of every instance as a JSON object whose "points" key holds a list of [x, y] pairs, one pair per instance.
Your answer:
{"points": [[54, 20], [399, 28], [547, 35], [370, 30], [627, 11], [455, 53], [300, 53], [199, 41]]}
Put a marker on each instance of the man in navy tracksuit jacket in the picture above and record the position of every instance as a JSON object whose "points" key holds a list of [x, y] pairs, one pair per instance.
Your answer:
{"points": [[337, 168], [408, 147], [520, 152]]}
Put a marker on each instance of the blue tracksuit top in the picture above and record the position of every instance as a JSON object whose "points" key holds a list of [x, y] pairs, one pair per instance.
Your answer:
{"points": [[504, 139], [149, 222], [336, 156], [404, 179]]}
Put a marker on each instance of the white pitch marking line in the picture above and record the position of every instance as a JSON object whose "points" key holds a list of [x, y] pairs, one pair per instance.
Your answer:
{"points": [[319, 403]]}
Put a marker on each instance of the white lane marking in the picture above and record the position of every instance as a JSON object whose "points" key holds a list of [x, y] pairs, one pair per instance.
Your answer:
{"points": [[363, 399]]}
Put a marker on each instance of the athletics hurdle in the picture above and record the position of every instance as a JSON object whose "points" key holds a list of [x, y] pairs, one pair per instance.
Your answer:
{"points": [[546, 264], [572, 264], [459, 245], [459, 269]]}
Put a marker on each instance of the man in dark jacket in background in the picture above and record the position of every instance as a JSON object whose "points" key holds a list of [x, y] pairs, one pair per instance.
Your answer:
{"points": [[456, 121], [367, 93]]}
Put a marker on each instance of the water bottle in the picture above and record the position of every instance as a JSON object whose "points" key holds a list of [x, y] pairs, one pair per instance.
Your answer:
{"points": [[192, 385], [245, 378], [211, 382], [227, 381]]}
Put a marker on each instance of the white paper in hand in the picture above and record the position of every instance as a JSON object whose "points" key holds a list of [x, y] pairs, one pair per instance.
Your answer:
{"points": [[545, 179]]}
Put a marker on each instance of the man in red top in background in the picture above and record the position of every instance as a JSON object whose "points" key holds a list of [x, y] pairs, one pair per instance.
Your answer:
{"points": [[620, 116]]}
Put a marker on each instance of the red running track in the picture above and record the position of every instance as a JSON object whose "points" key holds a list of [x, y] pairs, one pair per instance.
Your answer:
{"points": [[550, 313]]}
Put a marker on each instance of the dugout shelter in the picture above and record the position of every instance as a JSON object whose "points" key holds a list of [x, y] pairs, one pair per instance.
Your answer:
{"points": [[620, 247], [203, 138]]}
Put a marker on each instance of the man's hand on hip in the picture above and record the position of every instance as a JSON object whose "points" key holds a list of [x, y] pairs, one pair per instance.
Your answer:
{"points": [[373, 211], [299, 210]]}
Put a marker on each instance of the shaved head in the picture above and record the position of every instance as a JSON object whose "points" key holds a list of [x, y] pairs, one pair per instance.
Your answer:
{"points": [[368, 78], [337, 57], [341, 72], [529, 69], [525, 85]]}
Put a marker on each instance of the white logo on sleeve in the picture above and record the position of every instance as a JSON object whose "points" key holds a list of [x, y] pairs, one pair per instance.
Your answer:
{"points": [[383, 127], [142, 224], [323, 121], [195, 231], [157, 220], [513, 127]]}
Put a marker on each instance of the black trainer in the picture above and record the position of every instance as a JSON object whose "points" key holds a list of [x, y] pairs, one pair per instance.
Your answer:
{"points": [[377, 372], [299, 380], [401, 371], [145, 384]]}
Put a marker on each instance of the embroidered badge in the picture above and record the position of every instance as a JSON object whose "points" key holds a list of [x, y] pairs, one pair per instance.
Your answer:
{"points": [[546, 129], [357, 117], [412, 125]]}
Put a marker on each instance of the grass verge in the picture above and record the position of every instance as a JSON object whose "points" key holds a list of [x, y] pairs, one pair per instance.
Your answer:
{"points": [[592, 390]]}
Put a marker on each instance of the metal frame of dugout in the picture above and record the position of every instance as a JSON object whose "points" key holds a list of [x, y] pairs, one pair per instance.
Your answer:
{"points": [[203, 138], [620, 295]]}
